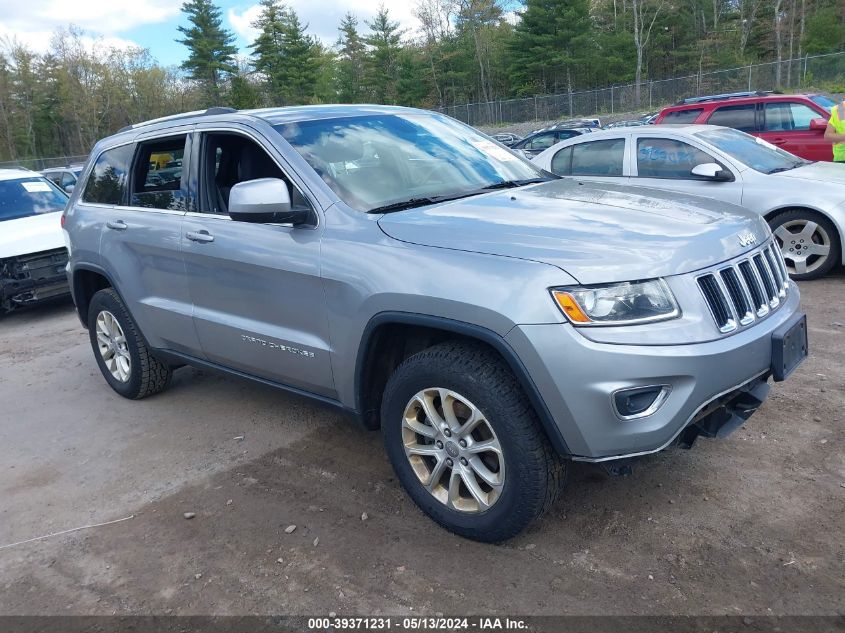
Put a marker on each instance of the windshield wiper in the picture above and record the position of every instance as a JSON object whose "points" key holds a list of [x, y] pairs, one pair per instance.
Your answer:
{"points": [[509, 184], [777, 170]]}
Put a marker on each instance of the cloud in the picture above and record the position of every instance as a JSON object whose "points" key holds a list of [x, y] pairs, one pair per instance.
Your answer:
{"points": [[324, 16], [32, 23]]}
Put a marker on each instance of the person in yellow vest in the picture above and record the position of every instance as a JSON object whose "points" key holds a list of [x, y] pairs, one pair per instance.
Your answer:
{"points": [[835, 132]]}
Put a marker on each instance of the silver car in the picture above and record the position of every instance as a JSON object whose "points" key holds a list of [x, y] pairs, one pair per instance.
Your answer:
{"points": [[803, 201], [494, 321]]}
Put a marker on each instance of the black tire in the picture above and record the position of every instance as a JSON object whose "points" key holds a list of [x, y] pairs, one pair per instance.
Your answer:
{"points": [[147, 375], [534, 473], [834, 256]]}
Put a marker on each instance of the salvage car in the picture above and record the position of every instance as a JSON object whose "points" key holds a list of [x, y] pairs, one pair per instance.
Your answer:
{"points": [[32, 248], [64, 177], [803, 201], [495, 321]]}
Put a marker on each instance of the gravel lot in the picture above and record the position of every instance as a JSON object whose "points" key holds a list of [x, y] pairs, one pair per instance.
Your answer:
{"points": [[751, 525]]}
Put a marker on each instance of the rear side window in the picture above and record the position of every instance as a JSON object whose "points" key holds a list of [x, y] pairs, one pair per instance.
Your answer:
{"points": [[543, 141], [107, 182], [739, 117], [157, 181], [682, 116], [785, 116], [597, 158]]}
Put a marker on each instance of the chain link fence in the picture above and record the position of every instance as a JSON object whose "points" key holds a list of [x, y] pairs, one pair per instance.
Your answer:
{"points": [[37, 164], [785, 75]]}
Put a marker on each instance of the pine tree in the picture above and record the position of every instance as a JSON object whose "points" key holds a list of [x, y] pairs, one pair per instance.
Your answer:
{"points": [[211, 47], [267, 48], [351, 59], [299, 52], [382, 61]]}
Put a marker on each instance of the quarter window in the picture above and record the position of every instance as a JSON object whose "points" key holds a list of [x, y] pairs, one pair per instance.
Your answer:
{"points": [[157, 181], [682, 116], [107, 182], [668, 158], [739, 117], [785, 117], [596, 158]]}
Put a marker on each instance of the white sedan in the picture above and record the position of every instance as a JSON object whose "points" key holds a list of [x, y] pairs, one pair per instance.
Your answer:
{"points": [[32, 246], [803, 201]]}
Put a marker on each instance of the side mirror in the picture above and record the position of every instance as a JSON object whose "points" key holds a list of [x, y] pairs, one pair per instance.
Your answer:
{"points": [[264, 201], [711, 171], [818, 125], [69, 188]]}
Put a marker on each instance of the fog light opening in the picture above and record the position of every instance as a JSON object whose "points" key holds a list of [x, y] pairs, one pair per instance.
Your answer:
{"points": [[639, 402]]}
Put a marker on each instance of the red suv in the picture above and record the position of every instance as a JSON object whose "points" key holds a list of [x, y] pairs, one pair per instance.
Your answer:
{"points": [[795, 123]]}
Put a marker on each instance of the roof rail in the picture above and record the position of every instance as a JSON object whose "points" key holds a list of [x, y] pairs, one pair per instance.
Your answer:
{"points": [[727, 95], [183, 115]]}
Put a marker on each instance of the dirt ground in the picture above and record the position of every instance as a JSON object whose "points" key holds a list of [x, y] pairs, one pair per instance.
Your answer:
{"points": [[750, 525]]}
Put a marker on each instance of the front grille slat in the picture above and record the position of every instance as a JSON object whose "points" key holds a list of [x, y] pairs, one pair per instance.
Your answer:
{"points": [[745, 289]]}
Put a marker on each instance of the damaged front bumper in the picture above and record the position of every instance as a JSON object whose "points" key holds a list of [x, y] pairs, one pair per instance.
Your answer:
{"points": [[32, 278]]}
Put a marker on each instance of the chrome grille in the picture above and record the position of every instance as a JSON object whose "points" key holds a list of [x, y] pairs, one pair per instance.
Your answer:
{"points": [[746, 289]]}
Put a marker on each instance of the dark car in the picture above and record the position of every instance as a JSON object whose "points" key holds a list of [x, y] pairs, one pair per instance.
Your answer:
{"points": [[507, 138], [795, 123], [535, 143]]}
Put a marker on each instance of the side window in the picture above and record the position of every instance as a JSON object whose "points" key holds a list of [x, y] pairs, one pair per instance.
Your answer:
{"points": [[784, 117], [668, 158], [682, 116], [157, 177], [598, 158], [562, 162], [230, 159], [543, 141], [107, 182], [68, 179], [739, 117], [54, 176]]}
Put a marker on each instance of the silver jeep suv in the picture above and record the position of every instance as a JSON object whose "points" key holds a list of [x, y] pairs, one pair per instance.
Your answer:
{"points": [[493, 320]]}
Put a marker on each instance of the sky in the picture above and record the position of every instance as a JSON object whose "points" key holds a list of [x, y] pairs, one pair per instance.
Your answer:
{"points": [[152, 24]]}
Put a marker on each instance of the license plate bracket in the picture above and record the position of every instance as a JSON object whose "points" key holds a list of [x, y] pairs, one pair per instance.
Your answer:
{"points": [[789, 347]]}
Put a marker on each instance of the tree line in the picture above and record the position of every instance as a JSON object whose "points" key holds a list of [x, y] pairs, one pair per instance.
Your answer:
{"points": [[61, 101]]}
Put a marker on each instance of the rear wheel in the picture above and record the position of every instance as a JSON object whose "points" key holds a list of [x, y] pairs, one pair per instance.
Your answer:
{"points": [[121, 352], [808, 241], [466, 443]]}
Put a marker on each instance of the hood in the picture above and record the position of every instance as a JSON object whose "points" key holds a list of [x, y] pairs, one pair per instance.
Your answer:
{"points": [[828, 173], [31, 235], [596, 232]]}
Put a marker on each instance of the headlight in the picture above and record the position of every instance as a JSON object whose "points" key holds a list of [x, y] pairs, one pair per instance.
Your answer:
{"points": [[625, 303]]}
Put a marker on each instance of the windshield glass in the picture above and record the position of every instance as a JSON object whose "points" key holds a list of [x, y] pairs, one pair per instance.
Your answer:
{"points": [[23, 197], [383, 160], [752, 151], [823, 101]]}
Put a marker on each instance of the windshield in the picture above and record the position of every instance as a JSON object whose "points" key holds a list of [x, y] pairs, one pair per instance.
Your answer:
{"points": [[390, 160], [23, 197], [752, 151], [823, 101]]}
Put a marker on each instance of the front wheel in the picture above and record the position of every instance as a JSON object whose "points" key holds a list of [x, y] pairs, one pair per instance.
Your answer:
{"points": [[121, 352], [808, 241], [466, 443]]}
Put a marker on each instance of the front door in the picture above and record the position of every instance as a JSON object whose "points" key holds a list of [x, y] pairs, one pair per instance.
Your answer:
{"points": [[787, 125], [258, 299], [666, 163]]}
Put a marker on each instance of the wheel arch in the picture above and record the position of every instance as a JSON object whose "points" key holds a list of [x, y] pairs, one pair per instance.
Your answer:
{"points": [[86, 281], [379, 354]]}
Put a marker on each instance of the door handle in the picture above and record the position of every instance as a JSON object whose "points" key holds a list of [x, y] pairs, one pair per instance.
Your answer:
{"points": [[117, 225], [200, 236], [778, 141]]}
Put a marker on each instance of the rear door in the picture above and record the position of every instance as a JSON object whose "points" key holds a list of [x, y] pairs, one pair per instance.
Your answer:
{"points": [[602, 161], [787, 125], [140, 245], [258, 299], [666, 163]]}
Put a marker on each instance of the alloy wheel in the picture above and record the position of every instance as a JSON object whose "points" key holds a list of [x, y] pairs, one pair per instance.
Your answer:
{"points": [[111, 342], [805, 245], [453, 450]]}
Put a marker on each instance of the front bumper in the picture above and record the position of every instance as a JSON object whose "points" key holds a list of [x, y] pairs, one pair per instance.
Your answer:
{"points": [[29, 279], [576, 378]]}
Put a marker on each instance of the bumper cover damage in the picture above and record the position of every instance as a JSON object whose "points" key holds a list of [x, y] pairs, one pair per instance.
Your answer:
{"points": [[32, 278]]}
